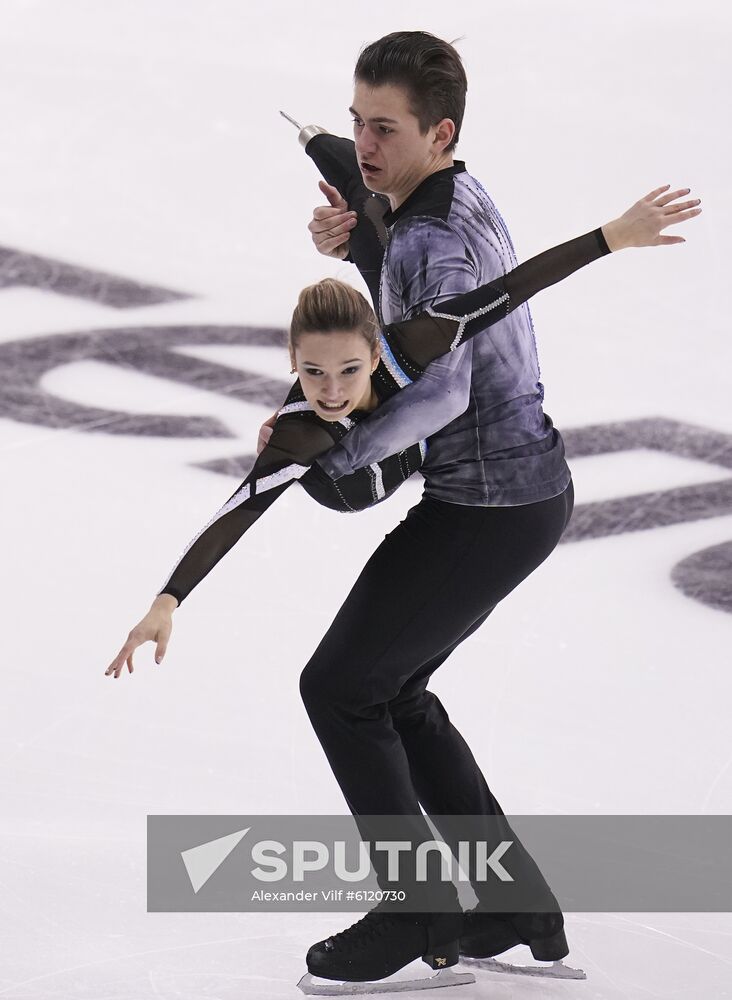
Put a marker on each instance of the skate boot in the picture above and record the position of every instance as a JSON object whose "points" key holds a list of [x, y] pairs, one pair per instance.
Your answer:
{"points": [[380, 944], [487, 934]]}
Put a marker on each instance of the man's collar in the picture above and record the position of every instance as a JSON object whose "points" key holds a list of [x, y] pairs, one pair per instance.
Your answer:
{"points": [[458, 166]]}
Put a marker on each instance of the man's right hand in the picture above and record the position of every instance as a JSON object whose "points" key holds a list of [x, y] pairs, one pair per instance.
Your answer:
{"points": [[332, 224], [265, 431]]}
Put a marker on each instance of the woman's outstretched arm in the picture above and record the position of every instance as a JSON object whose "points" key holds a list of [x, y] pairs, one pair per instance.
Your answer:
{"points": [[431, 336], [439, 330], [294, 445]]}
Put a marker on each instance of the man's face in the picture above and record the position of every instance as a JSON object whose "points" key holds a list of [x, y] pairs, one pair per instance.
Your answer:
{"points": [[394, 146]]}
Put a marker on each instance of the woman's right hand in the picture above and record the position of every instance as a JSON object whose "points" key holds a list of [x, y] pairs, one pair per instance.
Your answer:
{"points": [[641, 225], [156, 626], [331, 225]]}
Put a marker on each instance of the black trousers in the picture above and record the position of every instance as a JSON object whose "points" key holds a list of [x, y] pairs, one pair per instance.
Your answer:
{"points": [[428, 586]]}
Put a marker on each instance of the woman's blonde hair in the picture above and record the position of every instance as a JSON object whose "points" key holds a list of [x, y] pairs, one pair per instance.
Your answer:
{"points": [[332, 305]]}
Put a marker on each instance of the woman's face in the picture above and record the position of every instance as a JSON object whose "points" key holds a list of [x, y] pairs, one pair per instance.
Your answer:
{"points": [[335, 372]]}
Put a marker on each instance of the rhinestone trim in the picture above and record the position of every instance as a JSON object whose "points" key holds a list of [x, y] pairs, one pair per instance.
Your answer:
{"points": [[464, 320], [390, 362]]}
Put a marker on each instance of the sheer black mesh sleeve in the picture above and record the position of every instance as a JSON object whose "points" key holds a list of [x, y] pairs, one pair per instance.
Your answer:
{"points": [[292, 448], [436, 331], [335, 158]]}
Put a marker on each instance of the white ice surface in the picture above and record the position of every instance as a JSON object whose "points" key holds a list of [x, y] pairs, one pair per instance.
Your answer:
{"points": [[145, 140]]}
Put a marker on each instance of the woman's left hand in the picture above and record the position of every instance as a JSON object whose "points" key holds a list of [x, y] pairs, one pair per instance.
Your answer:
{"points": [[641, 225]]}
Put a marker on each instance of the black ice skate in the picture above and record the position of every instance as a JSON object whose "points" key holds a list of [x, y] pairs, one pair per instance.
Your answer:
{"points": [[380, 944], [487, 934]]}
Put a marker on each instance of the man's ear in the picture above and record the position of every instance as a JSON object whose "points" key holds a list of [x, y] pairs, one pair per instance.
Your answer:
{"points": [[444, 131]]}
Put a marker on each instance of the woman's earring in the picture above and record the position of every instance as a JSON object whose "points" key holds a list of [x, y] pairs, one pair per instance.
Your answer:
{"points": [[292, 371]]}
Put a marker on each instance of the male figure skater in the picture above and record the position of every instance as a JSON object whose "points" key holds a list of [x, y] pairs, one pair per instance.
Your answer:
{"points": [[498, 495]]}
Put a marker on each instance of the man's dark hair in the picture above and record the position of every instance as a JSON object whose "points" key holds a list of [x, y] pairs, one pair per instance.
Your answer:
{"points": [[426, 67]]}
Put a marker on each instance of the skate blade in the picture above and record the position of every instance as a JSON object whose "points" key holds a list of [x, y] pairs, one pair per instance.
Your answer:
{"points": [[445, 977], [557, 970]]}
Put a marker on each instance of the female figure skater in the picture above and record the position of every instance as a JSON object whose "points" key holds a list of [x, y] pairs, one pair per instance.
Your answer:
{"points": [[346, 367]]}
